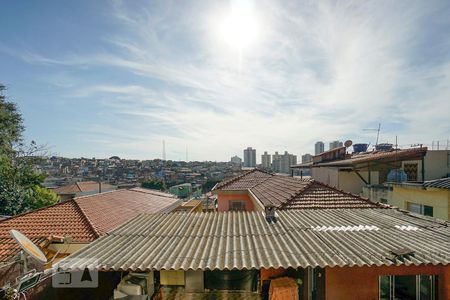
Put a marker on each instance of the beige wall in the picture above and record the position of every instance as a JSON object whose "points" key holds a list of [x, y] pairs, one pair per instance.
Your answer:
{"points": [[350, 182], [439, 199], [326, 175], [436, 162]]}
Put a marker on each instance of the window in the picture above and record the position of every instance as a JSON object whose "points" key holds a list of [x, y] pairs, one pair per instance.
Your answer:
{"points": [[237, 205], [420, 209], [411, 171], [411, 287]]}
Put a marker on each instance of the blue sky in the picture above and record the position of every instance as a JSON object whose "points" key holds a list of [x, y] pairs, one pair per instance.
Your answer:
{"points": [[102, 78]]}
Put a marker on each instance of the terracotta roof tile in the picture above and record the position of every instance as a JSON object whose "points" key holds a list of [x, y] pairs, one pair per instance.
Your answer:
{"points": [[65, 219], [244, 181], [287, 192], [106, 211], [82, 187], [84, 218]]}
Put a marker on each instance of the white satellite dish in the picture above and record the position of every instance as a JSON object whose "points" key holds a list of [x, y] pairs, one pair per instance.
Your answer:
{"points": [[28, 246]]}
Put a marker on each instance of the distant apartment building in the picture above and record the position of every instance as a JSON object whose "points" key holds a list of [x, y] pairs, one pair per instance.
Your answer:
{"points": [[281, 162], [335, 144], [319, 147], [250, 157], [266, 161], [306, 158], [236, 160]]}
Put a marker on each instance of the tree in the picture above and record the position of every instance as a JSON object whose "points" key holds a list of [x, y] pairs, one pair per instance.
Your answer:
{"points": [[154, 184], [20, 185]]}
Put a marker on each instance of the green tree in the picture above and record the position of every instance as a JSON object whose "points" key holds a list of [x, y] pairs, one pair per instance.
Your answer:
{"points": [[154, 184], [20, 184]]}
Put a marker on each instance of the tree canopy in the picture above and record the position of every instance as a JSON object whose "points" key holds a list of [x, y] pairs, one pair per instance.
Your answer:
{"points": [[20, 185]]}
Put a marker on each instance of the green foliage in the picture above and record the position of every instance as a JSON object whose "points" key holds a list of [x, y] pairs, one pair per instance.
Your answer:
{"points": [[154, 184], [20, 185]]}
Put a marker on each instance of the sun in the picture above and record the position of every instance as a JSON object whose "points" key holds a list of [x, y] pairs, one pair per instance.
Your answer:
{"points": [[239, 28]]}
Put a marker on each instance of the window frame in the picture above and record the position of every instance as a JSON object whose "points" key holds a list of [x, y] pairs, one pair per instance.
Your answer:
{"points": [[418, 277]]}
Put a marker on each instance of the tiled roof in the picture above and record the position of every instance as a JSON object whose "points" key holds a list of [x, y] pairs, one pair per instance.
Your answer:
{"points": [[443, 183], [287, 192], [404, 154], [244, 181], [64, 219], [245, 240], [82, 186], [84, 218], [106, 211]]}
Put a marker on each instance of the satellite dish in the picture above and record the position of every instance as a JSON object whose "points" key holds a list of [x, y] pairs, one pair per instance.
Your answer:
{"points": [[28, 246], [348, 143]]}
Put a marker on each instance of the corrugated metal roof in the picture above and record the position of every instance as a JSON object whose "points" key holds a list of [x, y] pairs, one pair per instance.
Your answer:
{"points": [[245, 240], [443, 183]]}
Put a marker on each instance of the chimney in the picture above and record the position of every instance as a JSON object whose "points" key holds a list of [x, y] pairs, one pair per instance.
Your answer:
{"points": [[269, 212]]}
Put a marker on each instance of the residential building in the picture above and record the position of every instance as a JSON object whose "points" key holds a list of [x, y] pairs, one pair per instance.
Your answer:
{"points": [[249, 158], [319, 147], [335, 144], [430, 198], [82, 188], [276, 162], [286, 161], [370, 253], [66, 227], [186, 190], [353, 172], [306, 158], [236, 160], [266, 162], [258, 189]]}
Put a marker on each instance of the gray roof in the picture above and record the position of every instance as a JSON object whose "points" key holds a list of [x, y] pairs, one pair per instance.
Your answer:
{"points": [[443, 183], [245, 240]]}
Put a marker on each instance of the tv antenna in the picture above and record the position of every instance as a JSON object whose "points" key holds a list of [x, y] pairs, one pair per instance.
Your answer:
{"points": [[375, 129]]}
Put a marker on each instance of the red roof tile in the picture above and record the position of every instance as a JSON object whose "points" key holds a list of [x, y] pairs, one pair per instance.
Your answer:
{"points": [[83, 219], [82, 187], [244, 181], [106, 211], [287, 192]]}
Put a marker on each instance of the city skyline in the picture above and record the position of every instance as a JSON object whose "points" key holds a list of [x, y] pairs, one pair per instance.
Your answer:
{"points": [[97, 79]]}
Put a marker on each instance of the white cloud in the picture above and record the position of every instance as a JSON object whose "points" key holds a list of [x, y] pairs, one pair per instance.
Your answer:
{"points": [[322, 70]]}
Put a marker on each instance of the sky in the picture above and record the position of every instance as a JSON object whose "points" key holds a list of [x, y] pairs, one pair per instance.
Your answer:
{"points": [[103, 78]]}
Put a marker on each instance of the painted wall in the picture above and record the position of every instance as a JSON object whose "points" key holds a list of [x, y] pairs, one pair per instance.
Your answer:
{"points": [[351, 183], [362, 282], [223, 200], [436, 162], [439, 199], [326, 175]]}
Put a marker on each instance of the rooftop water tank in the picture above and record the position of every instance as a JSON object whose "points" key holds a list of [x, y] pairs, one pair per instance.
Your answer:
{"points": [[383, 147], [360, 147], [397, 175]]}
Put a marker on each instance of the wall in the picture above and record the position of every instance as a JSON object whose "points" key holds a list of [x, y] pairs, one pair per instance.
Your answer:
{"points": [[224, 198], [437, 164], [439, 199], [362, 282], [326, 175], [351, 183]]}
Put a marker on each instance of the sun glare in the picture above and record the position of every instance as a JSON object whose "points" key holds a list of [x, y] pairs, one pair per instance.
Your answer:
{"points": [[239, 28]]}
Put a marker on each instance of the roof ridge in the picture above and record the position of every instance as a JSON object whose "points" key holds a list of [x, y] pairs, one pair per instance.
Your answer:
{"points": [[78, 186], [382, 205], [86, 218], [96, 194], [301, 191], [234, 179], [158, 193]]}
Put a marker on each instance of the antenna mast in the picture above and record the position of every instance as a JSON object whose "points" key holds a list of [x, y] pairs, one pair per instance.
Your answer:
{"points": [[164, 150], [375, 129]]}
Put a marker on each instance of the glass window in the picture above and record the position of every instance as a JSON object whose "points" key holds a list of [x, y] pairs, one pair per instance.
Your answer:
{"points": [[405, 287], [385, 287], [237, 205], [420, 287], [415, 208], [428, 210]]}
